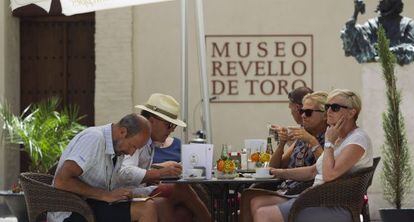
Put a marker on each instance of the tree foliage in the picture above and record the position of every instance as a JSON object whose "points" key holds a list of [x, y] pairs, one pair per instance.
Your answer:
{"points": [[397, 172], [42, 130]]}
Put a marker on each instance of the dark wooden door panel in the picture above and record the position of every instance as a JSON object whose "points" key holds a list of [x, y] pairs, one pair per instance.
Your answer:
{"points": [[58, 59]]}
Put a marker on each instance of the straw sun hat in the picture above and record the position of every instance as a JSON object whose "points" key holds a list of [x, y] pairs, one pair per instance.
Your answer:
{"points": [[163, 106]]}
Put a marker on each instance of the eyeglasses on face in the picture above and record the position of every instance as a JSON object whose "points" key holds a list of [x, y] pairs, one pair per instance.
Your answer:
{"points": [[166, 123], [308, 112], [335, 107]]}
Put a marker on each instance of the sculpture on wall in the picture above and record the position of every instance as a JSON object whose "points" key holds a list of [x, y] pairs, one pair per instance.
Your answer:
{"points": [[359, 40]]}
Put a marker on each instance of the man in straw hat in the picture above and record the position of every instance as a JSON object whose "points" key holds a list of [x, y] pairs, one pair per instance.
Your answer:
{"points": [[162, 113]]}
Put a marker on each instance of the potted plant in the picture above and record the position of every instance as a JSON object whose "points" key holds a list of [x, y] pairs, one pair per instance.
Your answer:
{"points": [[43, 133], [396, 175]]}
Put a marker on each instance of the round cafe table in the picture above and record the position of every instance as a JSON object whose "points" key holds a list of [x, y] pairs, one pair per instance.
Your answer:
{"points": [[224, 194]]}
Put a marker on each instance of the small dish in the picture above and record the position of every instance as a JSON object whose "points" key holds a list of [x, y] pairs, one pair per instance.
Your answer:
{"points": [[256, 176], [247, 175], [194, 178]]}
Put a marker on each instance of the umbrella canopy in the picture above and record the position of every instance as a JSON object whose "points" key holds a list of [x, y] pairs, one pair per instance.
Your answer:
{"points": [[72, 7]]}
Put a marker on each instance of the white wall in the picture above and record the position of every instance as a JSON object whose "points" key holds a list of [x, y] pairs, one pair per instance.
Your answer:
{"points": [[114, 63]]}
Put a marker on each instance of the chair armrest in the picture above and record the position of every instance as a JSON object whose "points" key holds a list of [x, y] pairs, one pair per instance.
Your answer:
{"points": [[300, 187]]}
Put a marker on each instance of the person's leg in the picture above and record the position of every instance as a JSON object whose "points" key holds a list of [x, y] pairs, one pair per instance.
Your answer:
{"points": [[269, 213], [182, 214], [184, 194], [246, 197], [144, 211], [246, 200], [260, 202], [165, 210]]}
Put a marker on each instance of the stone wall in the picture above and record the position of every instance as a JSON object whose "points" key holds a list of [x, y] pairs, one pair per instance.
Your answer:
{"points": [[114, 64], [374, 104]]}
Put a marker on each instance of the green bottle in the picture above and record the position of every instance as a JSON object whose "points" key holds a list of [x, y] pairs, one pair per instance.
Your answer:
{"points": [[269, 148], [224, 152]]}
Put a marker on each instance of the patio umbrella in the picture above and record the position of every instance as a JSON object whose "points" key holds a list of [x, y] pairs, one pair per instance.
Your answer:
{"points": [[72, 7]]}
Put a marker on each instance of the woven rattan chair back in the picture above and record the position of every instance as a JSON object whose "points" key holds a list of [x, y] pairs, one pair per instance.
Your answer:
{"points": [[42, 197], [346, 192]]}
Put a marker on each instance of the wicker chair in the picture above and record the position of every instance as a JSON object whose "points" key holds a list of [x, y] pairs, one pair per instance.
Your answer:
{"points": [[346, 192], [365, 209], [42, 197]]}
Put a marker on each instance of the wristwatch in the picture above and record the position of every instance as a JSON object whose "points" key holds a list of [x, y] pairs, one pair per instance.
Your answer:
{"points": [[328, 144]]}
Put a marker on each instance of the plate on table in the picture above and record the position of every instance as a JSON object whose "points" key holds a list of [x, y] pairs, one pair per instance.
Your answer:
{"points": [[194, 178], [247, 175], [257, 176]]}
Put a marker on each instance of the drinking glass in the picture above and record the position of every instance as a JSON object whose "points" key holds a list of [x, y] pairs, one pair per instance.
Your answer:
{"points": [[273, 132]]}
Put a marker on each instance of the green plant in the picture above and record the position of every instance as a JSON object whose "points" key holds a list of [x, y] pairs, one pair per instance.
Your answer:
{"points": [[42, 130], [396, 176]]}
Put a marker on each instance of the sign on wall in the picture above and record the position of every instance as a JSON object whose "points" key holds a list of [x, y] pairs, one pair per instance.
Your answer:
{"points": [[258, 68]]}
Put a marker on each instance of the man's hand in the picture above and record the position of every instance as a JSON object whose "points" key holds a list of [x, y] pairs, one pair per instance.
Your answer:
{"points": [[170, 164], [117, 194], [171, 170]]}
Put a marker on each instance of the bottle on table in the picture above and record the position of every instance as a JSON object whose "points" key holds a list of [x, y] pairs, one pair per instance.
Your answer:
{"points": [[269, 148], [244, 159], [224, 152]]}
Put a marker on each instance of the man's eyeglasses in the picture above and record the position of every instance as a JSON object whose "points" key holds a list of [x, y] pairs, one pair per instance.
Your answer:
{"points": [[335, 107], [308, 112], [167, 124]]}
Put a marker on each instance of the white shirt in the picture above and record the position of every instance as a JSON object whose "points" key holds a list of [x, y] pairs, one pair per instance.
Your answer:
{"points": [[92, 150], [135, 167], [359, 137]]}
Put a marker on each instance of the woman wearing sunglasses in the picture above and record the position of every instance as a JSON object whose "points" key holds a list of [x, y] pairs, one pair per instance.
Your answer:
{"points": [[347, 148], [309, 139], [304, 151]]}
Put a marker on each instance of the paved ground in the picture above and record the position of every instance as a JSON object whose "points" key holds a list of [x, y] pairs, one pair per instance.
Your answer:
{"points": [[8, 219], [5, 215]]}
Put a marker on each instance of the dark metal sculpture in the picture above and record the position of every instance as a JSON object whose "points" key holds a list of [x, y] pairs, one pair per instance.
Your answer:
{"points": [[359, 40]]}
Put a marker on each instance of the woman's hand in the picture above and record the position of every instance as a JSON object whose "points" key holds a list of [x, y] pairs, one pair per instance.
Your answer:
{"points": [[301, 133], [275, 172], [333, 132], [282, 133]]}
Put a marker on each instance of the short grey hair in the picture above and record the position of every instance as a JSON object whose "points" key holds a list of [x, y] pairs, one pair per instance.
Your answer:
{"points": [[132, 123]]}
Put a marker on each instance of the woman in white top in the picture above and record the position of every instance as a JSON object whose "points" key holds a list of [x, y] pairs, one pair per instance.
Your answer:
{"points": [[347, 148]]}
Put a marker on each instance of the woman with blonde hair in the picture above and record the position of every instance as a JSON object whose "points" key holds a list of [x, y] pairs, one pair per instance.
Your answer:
{"points": [[347, 148]]}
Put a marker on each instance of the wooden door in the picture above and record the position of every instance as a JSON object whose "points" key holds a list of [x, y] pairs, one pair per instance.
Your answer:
{"points": [[58, 59]]}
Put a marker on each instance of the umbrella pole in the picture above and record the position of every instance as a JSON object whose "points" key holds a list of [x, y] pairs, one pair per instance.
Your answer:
{"points": [[203, 70], [184, 68]]}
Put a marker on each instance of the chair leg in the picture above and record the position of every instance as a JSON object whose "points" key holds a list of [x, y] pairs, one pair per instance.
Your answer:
{"points": [[365, 213]]}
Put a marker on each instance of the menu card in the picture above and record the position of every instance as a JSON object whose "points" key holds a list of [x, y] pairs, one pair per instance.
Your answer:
{"points": [[197, 156]]}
